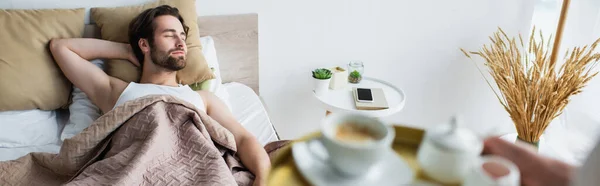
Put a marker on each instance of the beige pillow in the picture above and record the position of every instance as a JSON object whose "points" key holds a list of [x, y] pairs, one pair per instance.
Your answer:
{"points": [[29, 77], [114, 24]]}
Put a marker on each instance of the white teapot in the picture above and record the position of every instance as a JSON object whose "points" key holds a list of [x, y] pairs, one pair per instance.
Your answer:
{"points": [[449, 152]]}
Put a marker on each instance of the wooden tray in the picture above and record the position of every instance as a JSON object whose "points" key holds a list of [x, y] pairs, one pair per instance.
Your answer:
{"points": [[406, 144]]}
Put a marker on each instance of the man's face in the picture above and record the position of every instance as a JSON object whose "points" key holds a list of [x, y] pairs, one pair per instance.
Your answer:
{"points": [[168, 49]]}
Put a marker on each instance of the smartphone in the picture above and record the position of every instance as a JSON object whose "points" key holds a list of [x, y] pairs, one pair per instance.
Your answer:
{"points": [[364, 95]]}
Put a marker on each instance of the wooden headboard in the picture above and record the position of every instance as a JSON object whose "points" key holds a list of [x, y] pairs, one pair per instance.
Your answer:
{"points": [[236, 43]]}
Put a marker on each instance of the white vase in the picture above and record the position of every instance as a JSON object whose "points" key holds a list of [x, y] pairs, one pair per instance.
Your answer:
{"points": [[321, 86], [541, 148]]}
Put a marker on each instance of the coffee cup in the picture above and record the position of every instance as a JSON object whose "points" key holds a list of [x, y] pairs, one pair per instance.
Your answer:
{"points": [[355, 143], [493, 170]]}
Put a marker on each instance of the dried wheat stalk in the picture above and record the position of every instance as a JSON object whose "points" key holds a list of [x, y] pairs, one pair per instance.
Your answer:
{"points": [[532, 90]]}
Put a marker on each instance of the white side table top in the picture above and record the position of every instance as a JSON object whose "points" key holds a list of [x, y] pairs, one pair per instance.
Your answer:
{"points": [[342, 100]]}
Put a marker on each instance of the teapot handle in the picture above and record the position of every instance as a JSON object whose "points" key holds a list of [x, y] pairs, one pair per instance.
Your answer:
{"points": [[453, 124]]}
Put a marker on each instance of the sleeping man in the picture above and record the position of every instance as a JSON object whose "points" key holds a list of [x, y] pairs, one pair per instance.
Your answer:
{"points": [[157, 38]]}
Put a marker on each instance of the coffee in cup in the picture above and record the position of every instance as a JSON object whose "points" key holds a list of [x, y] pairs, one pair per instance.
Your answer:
{"points": [[355, 143], [351, 132]]}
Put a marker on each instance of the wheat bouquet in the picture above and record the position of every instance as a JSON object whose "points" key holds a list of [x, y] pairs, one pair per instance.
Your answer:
{"points": [[534, 89]]}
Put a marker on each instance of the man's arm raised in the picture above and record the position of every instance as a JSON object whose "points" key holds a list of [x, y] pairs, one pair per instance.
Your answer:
{"points": [[72, 57]]}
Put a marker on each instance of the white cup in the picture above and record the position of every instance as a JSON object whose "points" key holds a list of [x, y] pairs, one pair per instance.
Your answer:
{"points": [[493, 171], [355, 159]]}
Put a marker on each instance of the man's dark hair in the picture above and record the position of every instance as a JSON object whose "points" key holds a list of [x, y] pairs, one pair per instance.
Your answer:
{"points": [[143, 26]]}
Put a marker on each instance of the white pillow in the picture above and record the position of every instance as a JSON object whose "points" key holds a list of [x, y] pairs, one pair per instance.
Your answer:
{"points": [[82, 111], [210, 54], [29, 128]]}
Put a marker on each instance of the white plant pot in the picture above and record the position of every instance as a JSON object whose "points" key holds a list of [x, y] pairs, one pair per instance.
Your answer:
{"points": [[321, 86]]}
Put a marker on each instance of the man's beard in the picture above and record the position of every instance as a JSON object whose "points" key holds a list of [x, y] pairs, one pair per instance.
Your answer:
{"points": [[164, 59]]}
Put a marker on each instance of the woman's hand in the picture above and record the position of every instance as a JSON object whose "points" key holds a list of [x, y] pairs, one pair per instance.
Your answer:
{"points": [[535, 170]]}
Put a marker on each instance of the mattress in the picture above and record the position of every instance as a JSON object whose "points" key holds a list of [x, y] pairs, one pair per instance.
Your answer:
{"points": [[17, 141]]}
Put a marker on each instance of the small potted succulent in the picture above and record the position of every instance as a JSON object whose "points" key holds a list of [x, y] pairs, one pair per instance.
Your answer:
{"points": [[322, 77], [354, 77]]}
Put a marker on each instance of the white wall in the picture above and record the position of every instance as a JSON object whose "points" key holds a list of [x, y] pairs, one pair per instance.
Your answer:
{"points": [[412, 44], [220, 7], [203, 7], [582, 28]]}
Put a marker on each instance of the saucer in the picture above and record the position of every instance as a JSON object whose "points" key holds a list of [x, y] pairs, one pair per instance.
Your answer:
{"points": [[311, 158]]}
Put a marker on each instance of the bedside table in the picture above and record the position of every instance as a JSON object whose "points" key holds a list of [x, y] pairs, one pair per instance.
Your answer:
{"points": [[342, 100]]}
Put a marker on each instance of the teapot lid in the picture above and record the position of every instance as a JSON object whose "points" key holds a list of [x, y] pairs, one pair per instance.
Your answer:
{"points": [[453, 138]]}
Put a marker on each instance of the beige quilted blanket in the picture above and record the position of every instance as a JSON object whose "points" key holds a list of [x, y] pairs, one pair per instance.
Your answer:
{"points": [[153, 140]]}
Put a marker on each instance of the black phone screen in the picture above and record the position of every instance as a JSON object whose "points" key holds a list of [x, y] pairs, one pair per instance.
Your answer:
{"points": [[364, 94]]}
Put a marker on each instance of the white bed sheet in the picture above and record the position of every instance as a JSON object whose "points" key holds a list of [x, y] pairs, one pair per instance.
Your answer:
{"points": [[16, 152], [246, 107], [250, 112], [29, 127], [27, 131]]}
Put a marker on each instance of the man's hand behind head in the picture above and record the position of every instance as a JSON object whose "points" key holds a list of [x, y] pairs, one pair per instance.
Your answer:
{"points": [[132, 57]]}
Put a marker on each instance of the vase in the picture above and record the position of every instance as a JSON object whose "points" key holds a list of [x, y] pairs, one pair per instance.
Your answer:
{"points": [[355, 67], [321, 86], [534, 144], [541, 145]]}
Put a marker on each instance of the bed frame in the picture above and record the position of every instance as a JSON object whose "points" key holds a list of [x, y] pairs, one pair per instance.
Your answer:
{"points": [[236, 42]]}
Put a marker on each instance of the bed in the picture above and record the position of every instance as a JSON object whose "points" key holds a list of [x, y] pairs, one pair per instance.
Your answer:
{"points": [[235, 40]]}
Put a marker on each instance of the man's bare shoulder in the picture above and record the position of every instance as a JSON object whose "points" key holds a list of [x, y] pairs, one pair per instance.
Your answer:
{"points": [[207, 97], [205, 94], [202, 92], [117, 86]]}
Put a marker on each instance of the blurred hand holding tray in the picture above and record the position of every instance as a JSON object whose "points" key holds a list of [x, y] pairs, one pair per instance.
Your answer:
{"points": [[379, 101]]}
